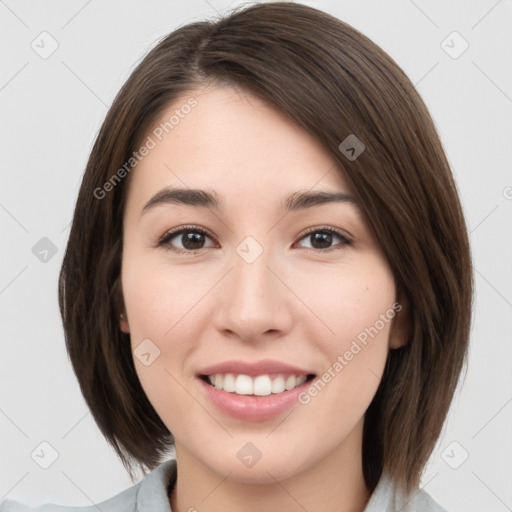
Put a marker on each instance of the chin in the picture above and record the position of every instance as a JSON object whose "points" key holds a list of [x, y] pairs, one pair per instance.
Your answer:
{"points": [[278, 465]]}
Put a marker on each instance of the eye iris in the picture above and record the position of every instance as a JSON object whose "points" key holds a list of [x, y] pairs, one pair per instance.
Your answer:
{"points": [[323, 237], [192, 240]]}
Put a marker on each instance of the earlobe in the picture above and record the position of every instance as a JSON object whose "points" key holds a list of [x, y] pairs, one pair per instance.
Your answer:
{"points": [[401, 324], [123, 323], [117, 294]]}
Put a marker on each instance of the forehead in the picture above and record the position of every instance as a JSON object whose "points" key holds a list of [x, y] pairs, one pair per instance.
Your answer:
{"points": [[234, 143]]}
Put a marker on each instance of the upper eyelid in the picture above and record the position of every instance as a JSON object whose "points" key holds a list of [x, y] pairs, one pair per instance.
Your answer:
{"points": [[337, 231], [177, 231]]}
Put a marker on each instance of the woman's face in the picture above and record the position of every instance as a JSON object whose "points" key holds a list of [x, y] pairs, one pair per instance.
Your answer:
{"points": [[256, 278]]}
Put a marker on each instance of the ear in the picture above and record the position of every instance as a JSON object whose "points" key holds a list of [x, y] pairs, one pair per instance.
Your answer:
{"points": [[123, 323], [400, 331], [117, 297]]}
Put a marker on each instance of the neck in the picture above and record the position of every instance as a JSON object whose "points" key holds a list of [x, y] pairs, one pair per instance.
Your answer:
{"points": [[334, 483]]}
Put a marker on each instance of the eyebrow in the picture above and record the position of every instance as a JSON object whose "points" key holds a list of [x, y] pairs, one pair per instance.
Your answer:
{"points": [[209, 199]]}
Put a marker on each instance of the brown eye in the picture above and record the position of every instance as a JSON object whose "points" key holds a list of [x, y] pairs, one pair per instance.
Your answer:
{"points": [[322, 238], [188, 239]]}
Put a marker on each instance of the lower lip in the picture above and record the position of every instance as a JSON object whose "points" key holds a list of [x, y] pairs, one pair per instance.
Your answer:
{"points": [[250, 407]]}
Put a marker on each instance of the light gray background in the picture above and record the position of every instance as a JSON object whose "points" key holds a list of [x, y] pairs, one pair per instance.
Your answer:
{"points": [[51, 111]]}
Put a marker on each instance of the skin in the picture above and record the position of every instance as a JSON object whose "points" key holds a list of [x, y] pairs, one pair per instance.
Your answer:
{"points": [[297, 303]]}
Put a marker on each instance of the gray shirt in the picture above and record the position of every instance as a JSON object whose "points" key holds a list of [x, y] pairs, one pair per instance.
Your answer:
{"points": [[150, 495]]}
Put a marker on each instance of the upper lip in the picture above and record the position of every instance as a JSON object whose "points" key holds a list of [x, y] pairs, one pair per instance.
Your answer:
{"points": [[263, 367]]}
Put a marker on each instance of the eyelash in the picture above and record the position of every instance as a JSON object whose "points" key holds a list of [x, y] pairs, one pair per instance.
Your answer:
{"points": [[165, 240]]}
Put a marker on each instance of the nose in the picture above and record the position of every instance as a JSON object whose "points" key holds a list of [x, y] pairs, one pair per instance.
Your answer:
{"points": [[253, 301]]}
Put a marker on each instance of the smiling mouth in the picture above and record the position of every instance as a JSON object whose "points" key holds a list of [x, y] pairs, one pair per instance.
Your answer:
{"points": [[261, 385]]}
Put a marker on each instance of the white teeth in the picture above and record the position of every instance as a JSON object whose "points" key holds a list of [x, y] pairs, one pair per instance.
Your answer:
{"points": [[301, 380], [278, 384], [229, 383], [290, 383], [262, 385], [243, 384]]}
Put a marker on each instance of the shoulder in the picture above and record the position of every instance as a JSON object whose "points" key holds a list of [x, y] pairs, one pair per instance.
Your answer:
{"points": [[425, 503], [124, 501], [148, 494], [386, 498]]}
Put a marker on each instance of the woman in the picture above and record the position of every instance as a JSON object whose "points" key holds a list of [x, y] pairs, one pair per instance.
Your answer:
{"points": [[268, 270]]}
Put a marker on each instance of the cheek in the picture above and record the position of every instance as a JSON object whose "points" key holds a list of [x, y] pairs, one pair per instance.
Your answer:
{"points": [[165, 307], [158, 299], [357, 307], [350, 300], [163, 321]]}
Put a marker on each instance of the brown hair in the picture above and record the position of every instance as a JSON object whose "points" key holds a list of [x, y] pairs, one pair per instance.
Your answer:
{"points": [[333, 82]]}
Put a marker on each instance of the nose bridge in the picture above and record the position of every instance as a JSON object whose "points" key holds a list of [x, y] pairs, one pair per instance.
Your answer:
{"points": [[252, 279], [252, 301]]}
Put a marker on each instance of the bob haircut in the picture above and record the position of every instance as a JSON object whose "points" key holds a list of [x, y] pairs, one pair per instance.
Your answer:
{"points": [[333, 82]]}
